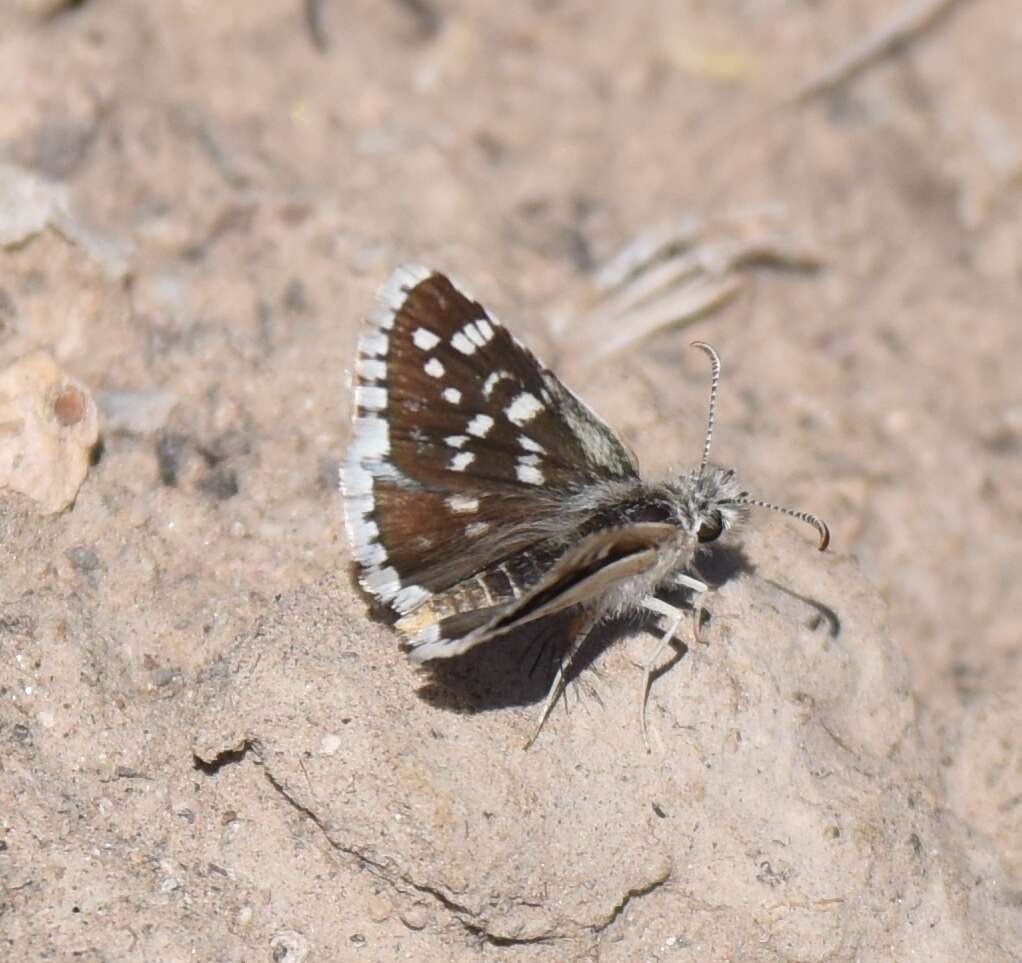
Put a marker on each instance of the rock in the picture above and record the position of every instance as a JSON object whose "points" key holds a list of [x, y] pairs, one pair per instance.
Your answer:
{"points": [[48, 427], [790, 800], [30, 204]]}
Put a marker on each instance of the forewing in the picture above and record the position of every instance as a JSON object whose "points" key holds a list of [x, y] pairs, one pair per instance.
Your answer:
{"points": [[463, 443]]}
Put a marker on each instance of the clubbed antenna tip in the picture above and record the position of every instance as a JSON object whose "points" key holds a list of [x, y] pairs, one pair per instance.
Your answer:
{"points": [[818, 523]]}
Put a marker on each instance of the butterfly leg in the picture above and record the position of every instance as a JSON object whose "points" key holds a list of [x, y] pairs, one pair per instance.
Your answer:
{"points": [[674, 617], [700, 589], [558, 684]]}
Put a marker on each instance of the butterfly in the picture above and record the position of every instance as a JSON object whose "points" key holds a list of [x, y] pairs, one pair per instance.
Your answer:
{"points": [[481, 495]]}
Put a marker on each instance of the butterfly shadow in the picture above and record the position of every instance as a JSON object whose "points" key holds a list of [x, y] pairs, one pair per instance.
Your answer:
{"points": [[728, 561], [511, 670], [516, 669]]}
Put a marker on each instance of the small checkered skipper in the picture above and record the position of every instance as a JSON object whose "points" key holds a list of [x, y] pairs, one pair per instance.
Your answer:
{"points": [[482, 496]]}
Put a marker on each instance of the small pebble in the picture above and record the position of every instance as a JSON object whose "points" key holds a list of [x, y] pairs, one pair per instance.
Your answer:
{"points": [[378, 908], [141, 412], [48, 429], [289, 946], [83, 559], [415, 917], [329, 745]]}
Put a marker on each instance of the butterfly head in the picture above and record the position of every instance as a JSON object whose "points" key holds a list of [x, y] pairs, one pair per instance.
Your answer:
{"points": [[706, 502]]}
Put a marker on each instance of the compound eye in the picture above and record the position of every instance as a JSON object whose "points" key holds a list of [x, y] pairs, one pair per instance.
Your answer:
{"points": [[712, 528]]}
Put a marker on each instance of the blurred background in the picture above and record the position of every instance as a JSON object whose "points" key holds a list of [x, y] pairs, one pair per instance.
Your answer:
{"points": [[198, 201]]}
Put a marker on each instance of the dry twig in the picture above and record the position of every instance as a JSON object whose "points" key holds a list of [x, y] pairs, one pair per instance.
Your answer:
{"points": [[904, 25]]}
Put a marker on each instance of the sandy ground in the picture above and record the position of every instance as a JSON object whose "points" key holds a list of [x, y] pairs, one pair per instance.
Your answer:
{"points": [[210, 753]]}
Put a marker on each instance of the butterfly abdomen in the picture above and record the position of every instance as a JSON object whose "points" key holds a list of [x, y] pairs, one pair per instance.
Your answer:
{"points": [[474, 601]]}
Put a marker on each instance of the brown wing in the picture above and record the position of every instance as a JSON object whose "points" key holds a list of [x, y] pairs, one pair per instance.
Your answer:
{"points": [[462, 440]]}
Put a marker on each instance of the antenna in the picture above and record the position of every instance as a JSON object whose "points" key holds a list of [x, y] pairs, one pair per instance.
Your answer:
{"points": [[818, 524], [714, 382], [810, 519]]}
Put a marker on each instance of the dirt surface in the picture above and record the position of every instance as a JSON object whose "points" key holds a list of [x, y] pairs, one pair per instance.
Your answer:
{"points": [[209, 752]]}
